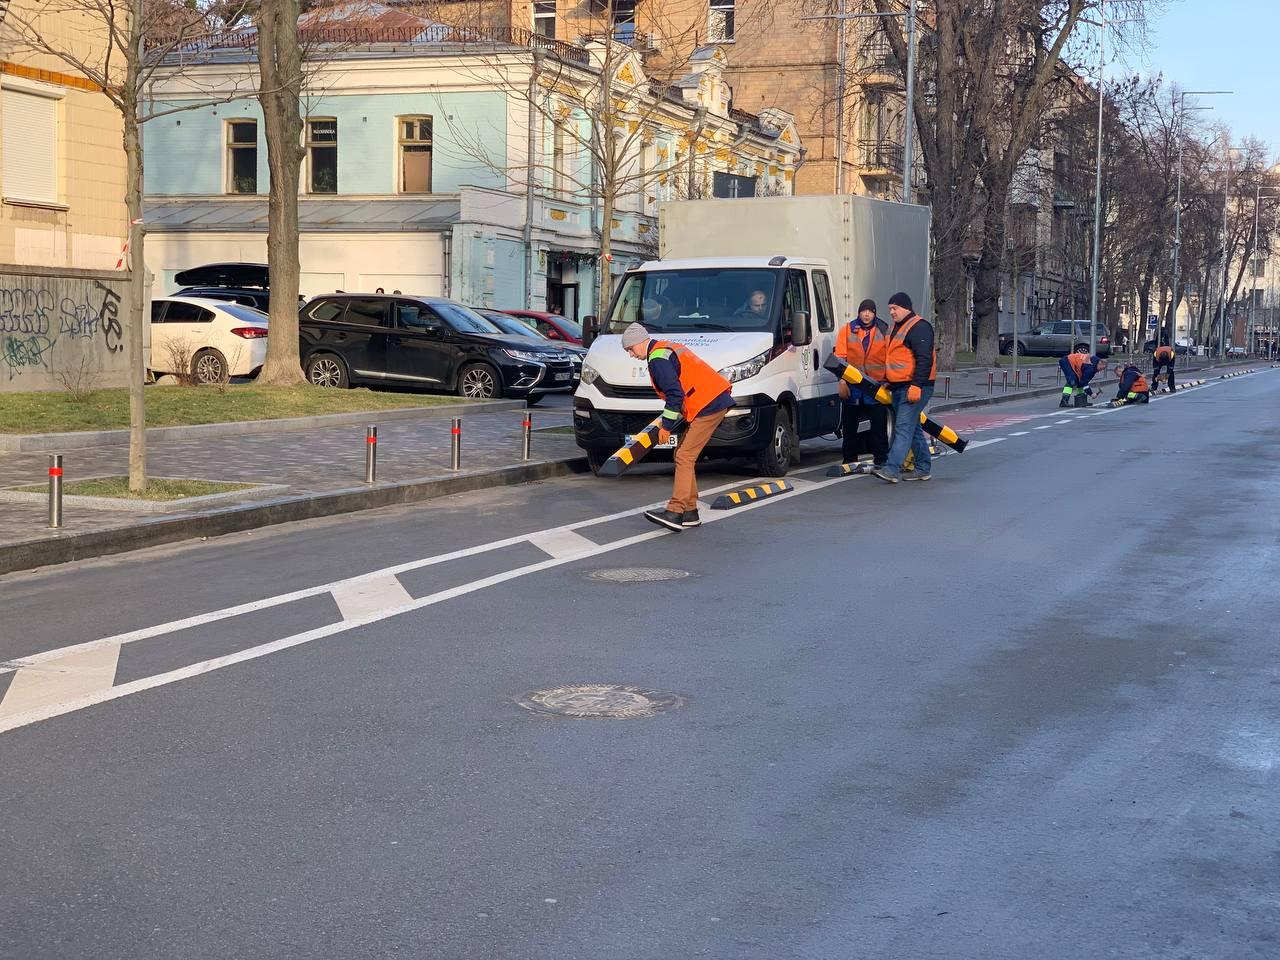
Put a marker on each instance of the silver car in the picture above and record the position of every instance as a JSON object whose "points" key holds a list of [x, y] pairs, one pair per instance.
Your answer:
{"points": [[1057, 339]]}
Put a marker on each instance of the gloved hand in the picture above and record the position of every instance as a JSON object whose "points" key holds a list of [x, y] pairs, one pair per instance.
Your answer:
{"points": [[913, 394], [842, 388]]}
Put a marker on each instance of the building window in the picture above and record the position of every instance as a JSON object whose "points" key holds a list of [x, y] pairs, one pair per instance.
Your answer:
{"points": [[624, 20], [242, 156], [560, 160], [544, 18], [415, 154], [30, 144], [322, 155], [720, 26], [732, 186]]}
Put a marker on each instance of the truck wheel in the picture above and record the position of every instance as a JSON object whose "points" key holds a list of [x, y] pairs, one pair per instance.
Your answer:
{"points": [[775, 458], [596, 460]]}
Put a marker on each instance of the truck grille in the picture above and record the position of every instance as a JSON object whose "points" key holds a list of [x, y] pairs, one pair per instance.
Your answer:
{"points": [[643, 392]]}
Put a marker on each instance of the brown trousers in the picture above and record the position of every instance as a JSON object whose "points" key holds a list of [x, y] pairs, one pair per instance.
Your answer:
{"points": [[685, 495]]}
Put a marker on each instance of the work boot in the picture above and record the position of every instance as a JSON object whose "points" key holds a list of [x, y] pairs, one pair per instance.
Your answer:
{"points": [[1065, 401], [1081, 400], [666, 518], [690, 518]]}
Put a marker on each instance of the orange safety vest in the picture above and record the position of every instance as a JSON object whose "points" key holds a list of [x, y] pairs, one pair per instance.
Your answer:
{"points": [[1163, 353], [1140, 385], [1077, 361], [702, 383], [900, 362], [871, 361]]}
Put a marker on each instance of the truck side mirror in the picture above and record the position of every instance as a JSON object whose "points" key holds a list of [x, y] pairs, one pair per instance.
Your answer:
{"points": [[800, 332], [590, 328]]}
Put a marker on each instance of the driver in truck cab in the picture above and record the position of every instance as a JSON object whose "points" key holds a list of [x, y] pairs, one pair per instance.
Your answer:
{"points": [[692, 392]]}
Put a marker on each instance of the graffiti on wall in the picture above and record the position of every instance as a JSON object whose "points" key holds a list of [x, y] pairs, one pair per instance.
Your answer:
{"points": [[51, 323]]}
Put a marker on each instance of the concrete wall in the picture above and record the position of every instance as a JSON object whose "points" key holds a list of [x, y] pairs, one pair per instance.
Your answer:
{"points": [[61, 324]]}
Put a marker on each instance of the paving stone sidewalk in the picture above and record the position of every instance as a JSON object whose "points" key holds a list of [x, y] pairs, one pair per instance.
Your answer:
{"points": [[319, 461]]}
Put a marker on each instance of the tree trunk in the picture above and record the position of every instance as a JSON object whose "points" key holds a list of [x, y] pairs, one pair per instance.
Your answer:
{"points": [[280, 71], [605, 279], [137, 301], [987, 284], [950, 304]]}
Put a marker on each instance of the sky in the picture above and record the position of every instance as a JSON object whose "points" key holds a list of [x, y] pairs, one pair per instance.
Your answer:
{"points": [[1220, 45]]}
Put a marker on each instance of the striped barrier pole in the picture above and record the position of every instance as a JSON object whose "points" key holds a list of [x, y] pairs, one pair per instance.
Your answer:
{"points": [[624, 458], [880, 393]]}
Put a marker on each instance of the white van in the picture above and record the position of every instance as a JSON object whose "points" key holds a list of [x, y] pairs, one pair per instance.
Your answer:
{"points": [[761, 302]]}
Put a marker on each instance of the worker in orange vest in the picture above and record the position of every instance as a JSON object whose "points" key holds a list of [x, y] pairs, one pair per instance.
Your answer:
{"points": [[1133, 386], [911, 366], [1164, 356], [693, 393], [864, 422], [1078, 369]]}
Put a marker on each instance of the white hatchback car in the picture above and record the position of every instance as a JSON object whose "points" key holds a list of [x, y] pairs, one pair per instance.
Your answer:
{"points": [[207, 339]]}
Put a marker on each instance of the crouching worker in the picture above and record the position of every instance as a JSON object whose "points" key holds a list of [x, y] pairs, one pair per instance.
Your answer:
{"points": [[1078, 369], [1133, 386], [693, 392]]}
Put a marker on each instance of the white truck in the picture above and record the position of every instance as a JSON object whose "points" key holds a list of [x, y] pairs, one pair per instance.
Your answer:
{"points": [[758, 289]]}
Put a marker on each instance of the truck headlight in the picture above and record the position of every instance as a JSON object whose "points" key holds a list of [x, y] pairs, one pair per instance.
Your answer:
{"points": [[589, 373], [746, 369]]}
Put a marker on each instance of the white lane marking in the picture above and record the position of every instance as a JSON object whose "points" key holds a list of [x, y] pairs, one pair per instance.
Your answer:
{"points": [[984, 443], [1043, 426], [1020, 433], [562, 544], [359, 598], [1063, 421], [59, 679]]}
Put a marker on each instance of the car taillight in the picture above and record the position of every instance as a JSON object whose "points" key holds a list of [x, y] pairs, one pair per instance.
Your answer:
{"points": [[1103, 340], [250, 333]]}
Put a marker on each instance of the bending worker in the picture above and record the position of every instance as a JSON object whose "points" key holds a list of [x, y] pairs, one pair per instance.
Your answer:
{"points": [[910, 368], [1164, 356], [863, 343], [693, 392], [1078, 369], [1133, 386]]}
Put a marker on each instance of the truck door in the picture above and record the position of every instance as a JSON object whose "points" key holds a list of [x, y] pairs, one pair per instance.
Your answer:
{"points": [[815, 385], [824, 341]]}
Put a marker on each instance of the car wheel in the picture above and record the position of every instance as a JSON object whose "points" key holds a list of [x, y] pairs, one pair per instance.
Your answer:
{"points": [[1007, 349], [479, 381], [534, 399], [775, 458], [209, 366], [326, 370], [596, 460]]}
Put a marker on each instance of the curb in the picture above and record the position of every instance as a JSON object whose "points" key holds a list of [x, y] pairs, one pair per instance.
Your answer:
{"points": [[64, 548], [78, 440]]}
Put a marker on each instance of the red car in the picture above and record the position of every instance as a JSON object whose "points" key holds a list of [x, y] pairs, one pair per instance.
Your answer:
{"points": [[551, 325]]}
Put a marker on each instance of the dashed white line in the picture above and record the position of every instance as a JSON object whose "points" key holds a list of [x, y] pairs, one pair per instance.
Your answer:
{"points": [[1043, 426]]}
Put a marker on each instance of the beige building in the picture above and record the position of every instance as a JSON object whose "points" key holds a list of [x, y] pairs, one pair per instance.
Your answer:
{"points": [[62, 166]]}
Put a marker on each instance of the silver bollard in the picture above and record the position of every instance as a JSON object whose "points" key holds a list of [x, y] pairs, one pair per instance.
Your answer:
{"points": [[1028, 379], [1017, 379], [370, 454], [55, 489], [455, 444], [946, 388], [526, 435], [1006, 381], [991, 382]]}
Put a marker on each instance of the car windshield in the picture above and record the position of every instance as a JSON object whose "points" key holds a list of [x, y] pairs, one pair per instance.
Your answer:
{"points": [[679, 301], [572, 326], [241, 312], [464, 319], [513, 327]]}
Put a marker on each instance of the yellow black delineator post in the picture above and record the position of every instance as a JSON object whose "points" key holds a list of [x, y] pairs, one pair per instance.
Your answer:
{"points": [[745, 495], [624, 458], [880, 393]]}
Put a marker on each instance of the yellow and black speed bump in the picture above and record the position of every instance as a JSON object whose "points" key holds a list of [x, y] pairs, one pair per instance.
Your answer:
{"points": [[847, 469], [627, 457], [880, 393], [761, 491]]}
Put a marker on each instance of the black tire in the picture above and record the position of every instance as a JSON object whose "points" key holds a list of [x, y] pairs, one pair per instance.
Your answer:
{"points": [[775, 459], [327, 370], [479, 381], [534, 400], [1080, 348], [209, 367], [596, 460], [1007, 349]]}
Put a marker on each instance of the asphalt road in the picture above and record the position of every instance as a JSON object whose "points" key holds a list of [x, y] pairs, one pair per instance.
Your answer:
{"points": [[1028, 709]]}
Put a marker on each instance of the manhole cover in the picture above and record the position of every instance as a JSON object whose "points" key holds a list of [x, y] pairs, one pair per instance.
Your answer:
{"points": [[637, 574], [608, 700]]}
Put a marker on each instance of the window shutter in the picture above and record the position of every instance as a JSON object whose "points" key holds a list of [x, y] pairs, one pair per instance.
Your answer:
{"points": [[30, 146]]}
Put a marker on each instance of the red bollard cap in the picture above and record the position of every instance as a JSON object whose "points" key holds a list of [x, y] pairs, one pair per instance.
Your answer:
{"points": [[55, 471]]}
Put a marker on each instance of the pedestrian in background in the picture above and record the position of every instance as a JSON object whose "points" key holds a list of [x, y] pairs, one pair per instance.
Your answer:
{"points": [[911, 366], [863, 343], [693, 393]]}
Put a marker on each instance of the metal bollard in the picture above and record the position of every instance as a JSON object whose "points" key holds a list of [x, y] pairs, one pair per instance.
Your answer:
{"points": [[55, 489], [1017, 379], [455, 445], [526, 435], [1006, 380], [1028, 379], [1057, 377], [370, 454], [946, 388], [991, 382]]}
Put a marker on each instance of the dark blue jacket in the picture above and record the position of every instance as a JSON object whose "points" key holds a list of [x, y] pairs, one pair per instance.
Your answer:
{"points": [[665, 372]]}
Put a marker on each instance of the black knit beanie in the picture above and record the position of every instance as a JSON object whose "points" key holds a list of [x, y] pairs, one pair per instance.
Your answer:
{"points": [[900, 299], [867, 305]]}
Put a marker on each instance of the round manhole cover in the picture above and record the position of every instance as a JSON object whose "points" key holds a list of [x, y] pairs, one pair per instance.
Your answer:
{"points": [[610, 701], [637, 574]]}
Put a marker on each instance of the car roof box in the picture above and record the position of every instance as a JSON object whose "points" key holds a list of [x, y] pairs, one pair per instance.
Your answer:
{"points": [[225, 275]]}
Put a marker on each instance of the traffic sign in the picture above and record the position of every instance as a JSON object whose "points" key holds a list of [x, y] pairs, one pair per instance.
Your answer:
{"points": [[1152, 319]]}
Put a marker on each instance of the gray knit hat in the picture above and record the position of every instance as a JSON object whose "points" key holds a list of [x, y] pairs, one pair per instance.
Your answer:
{"points": [[634, 335]]}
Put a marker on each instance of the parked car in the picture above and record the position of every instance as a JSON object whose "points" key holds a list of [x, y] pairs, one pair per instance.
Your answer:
{"points": [[1057, 339], [1179, 347], [245, 283], [550, 325], [430, 343], [210, 340], [518, 328], [1236, 352]]}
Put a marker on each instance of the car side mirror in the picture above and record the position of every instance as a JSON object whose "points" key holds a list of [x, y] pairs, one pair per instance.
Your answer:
{"points": [[801, 335]]}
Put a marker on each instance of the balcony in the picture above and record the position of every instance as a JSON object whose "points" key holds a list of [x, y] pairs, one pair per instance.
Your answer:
{"points": [[880, 158], [878, 67]]}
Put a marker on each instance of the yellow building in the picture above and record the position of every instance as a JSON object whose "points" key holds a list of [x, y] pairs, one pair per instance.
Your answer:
{"points": [[62, 166]]}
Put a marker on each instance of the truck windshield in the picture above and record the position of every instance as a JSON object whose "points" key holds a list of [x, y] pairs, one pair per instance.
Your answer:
{"points": [[681, 301]]}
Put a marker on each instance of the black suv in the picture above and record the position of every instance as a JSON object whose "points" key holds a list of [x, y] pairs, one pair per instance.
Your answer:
{"points": [[426, 342], [245, 283]]}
